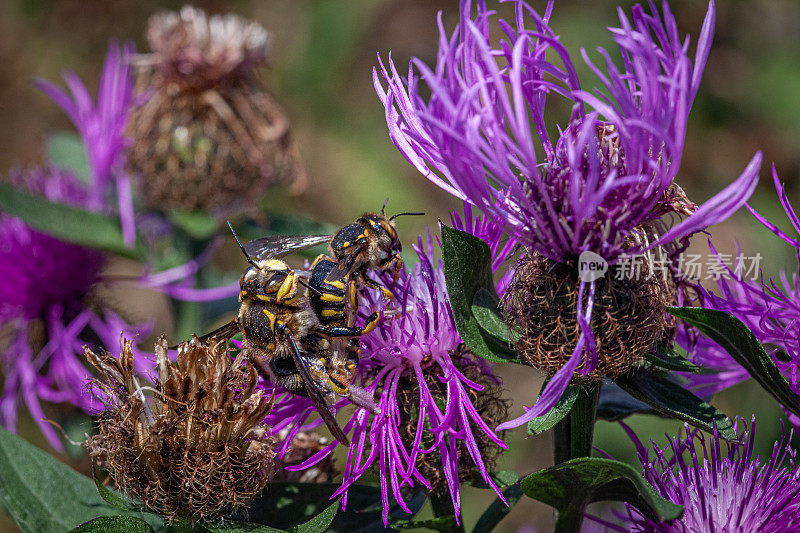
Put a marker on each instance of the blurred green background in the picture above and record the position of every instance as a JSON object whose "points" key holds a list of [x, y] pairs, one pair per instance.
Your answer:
{"points": [[320, 71]]}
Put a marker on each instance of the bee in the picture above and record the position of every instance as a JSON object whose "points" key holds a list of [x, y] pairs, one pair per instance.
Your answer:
{"points": [[369, 243], [306, 349]]}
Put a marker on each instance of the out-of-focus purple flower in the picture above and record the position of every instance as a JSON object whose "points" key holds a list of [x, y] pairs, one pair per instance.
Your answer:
{"points": [[728, 488], [608, 177], [45, 290], [102, 126], [428, 392], [771, 309]]}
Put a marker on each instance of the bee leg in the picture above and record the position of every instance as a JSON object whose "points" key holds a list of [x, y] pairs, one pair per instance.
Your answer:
{"points": [[352, 292], [397, 267], [387, 294], [314, 393], [341, 331], [262, 367]]}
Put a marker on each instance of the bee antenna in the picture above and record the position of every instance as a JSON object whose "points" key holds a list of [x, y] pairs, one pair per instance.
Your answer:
{"points": [[403, 214], [309, 287], [249, 259], [383, 208]]}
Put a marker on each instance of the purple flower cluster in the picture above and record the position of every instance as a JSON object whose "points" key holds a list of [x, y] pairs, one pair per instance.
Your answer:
{"points": [[45, 286], [482, 136], [102, 128], [722, 490], [415, 345], [770, 308]]}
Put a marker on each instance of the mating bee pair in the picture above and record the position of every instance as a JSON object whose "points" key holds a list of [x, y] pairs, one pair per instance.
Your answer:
{"points": [[299, 329]]}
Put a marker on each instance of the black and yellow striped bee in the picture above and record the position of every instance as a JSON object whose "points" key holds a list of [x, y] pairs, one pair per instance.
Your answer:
{"points": [[307, 345], [369, 243]]}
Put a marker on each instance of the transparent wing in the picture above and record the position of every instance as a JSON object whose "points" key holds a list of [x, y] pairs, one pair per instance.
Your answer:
{"points": [[344, 267], [275, 247], [316, 397]]}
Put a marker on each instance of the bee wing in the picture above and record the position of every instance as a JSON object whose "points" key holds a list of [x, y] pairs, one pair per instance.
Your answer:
{"points": [[279, 246], [344, 267], [313, 393], [221, 333]]}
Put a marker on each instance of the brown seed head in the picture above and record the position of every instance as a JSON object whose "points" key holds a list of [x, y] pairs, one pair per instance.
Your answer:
{"points": [[628, 317], [209, 137], [303, 446], [194, 444]]}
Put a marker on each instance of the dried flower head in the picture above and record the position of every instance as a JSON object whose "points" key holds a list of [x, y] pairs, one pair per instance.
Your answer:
{"points": [[209, 138], [629, 316], [194, 445]]}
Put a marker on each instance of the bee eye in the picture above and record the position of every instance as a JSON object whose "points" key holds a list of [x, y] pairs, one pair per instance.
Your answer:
{"points": [[276, 280]]}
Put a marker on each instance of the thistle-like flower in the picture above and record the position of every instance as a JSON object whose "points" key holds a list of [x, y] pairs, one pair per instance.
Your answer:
{"points": [[209, 137], [728, 488], [102, 128], [47, 309], [192, 445], [603, 187], [436, 400], [771, 309]]}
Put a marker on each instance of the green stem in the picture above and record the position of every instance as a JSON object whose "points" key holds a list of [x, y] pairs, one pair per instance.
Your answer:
{"points": [[442, 505], [573, 437]]}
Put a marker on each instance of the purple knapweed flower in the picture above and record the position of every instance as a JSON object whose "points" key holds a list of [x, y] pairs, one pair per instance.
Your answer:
{"points": [[770, 308], [45, 305], [602, 186], [727, 488], [102, 126], [436, 400]]}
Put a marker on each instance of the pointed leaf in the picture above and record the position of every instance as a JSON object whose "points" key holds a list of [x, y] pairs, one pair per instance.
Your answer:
{"points": [[196, 224], [485, 308], [440, 523], [42, 494], [659, 391], [467, 269], [737, 339], [498, 509], [68, 223], [668, 359], [114, 524], [579, 482], [615, 404], [547, 421]]}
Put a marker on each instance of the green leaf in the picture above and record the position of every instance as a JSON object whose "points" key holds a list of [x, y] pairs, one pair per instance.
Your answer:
{"points": [[111, 497], [468, 269], [573, 434], [319, 523], [668, 359], [579, 482], [196, 224], [67, 223], [502, 478], [659, 391], [498, 509], [737, 339], [547, 421], [485, 310], [66, 150], [114, 524], [440, 523], [42, 494], [615, 404]]}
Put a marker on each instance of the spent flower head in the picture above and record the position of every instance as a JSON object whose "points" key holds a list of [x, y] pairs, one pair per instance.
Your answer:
{"points": [[210, 137], [724, 486], [192, 445], [603, 185]]}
